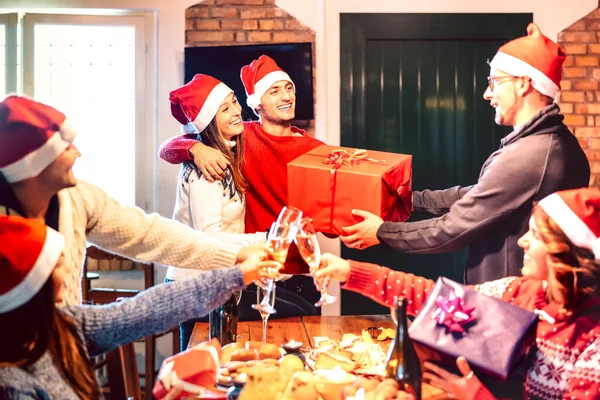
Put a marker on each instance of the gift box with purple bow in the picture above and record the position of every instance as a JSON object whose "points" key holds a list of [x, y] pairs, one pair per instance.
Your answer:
{"points": [[456, 321]]}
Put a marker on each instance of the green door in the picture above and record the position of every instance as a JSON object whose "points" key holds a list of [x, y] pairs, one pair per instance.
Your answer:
{"points": [[413, 84]]}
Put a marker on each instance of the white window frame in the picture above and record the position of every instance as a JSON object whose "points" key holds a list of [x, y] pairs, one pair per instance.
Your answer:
{"points": [[145, 80], [10, 51]]}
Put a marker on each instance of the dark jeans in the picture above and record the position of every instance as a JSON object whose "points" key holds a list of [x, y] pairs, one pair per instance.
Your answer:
{"points": [[294, 297], [186, 328]]}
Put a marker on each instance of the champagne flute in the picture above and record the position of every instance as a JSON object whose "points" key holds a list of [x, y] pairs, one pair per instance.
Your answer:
{"points": [[308, 245], [393, 311], [238, 297], [265, 296], [279, 239]]}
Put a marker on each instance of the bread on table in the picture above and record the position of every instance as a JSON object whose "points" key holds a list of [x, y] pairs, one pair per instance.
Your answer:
{"points": [[330, 361]]}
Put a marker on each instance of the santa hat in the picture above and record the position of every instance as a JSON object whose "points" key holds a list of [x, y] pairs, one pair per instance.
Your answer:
{"points": [[29, 251], [32, 136], [196, 103], [259, 76], [577, 213], [534, 56]]}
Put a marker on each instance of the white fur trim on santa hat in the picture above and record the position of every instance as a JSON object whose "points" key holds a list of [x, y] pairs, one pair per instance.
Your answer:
{"points": [[211, 105], [517, 67], [67, 131], [572, 226], [38, 275], [261, 87], [35, 162]]}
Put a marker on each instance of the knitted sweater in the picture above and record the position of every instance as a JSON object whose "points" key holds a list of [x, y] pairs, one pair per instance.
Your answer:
{"points": [[87, 214], [539, 158], [209, 207], [108, 326], [265, 168], [567, 362]]}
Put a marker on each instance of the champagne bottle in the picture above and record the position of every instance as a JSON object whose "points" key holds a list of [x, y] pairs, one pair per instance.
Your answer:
{"points": [[402, 361], [223, 322]]}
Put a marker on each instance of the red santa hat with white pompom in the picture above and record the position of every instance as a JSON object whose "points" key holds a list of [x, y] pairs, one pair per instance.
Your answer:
{"points": [[259, 76], [577, 213], [535, 56], [196, 103], [29, 251], [32, 136]]}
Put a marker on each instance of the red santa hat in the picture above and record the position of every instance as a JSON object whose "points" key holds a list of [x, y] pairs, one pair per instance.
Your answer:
{"points": [[259, 76], [577, 213], [29, 251], [196, 103], [32, 136], [534, 56]]}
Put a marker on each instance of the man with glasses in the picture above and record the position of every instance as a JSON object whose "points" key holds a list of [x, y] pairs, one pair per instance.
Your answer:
{"points": [[539, 157]]}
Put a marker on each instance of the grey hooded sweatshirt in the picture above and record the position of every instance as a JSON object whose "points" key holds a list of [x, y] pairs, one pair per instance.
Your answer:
{"points": [[539, 159]]}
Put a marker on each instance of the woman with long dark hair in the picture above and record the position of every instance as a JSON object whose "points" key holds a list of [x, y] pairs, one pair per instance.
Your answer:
{"points": [[561, 282], [46, 351], [207, 107]]}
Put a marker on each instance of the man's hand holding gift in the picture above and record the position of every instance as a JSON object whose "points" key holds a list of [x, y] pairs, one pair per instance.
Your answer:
{"points": [[363, 234]]}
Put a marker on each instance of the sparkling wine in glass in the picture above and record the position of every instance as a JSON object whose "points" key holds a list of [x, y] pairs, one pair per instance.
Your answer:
{"points": [[266, 296], [279, 239], [308, 245]]}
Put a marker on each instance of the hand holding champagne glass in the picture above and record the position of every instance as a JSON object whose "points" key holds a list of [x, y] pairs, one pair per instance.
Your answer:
{"points": [[279, 239], [308, 245]]}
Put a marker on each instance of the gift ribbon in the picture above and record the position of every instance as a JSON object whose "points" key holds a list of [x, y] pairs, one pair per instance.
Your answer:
{"points": [[453, 313], [337, 158]]}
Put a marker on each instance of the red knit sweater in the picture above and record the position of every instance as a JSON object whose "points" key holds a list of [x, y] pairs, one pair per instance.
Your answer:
{"points": [[567, 364], [265, 168]]}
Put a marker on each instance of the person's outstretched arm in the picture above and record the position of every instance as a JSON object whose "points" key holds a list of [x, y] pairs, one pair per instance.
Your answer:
{"points": [[438, 202], [162, 307]]}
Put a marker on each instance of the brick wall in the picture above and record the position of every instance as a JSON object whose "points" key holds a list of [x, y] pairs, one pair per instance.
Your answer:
{"points": [[580, 98], [238, 22]]}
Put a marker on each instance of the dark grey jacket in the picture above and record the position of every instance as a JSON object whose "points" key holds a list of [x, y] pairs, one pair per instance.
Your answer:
{"points": [[489, 217]]}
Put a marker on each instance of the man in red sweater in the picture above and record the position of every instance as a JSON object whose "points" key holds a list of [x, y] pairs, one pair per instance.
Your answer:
{"points": [[270, 143]]}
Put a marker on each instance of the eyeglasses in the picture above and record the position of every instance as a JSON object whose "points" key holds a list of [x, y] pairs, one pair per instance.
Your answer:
{"points": [[493, 80]]}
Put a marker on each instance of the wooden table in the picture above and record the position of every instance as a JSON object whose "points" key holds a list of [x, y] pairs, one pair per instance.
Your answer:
{"points": [[303, 329]]}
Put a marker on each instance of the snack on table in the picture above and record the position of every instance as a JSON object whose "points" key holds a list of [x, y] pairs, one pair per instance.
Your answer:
{"points": [[354, 353], [265, 382], [285, 378], [372, 389], [301, 387], [328, 360], [291, 364], [251, 350], [386, 333]]}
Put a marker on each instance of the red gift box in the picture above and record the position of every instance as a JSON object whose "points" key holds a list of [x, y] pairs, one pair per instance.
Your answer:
{"points": [[196, 368], [328, 182]]}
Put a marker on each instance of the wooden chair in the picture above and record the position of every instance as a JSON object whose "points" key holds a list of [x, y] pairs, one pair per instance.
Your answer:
{"points": [[120, 363], [123, 379], [125, 356]]}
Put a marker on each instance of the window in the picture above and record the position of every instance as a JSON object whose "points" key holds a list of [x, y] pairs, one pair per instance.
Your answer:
{"points": [[8, 54], [93, 68]]}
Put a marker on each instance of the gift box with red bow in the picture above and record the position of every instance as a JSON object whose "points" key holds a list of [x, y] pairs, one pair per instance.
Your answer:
{"points": [[328, 182], [195, 369], [493, 335]]}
